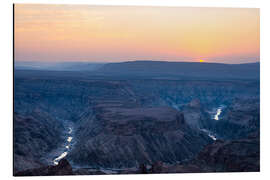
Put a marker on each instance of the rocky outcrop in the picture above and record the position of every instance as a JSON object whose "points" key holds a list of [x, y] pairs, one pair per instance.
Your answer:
{"points": [[63, 168], [231, 156], [127, 137], [196, 115], [221, 156], [35, 135], [240, 119]]}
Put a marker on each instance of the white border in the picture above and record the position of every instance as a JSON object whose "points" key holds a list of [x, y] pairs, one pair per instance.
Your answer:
{"points": [[189, 3], [6, 83]]}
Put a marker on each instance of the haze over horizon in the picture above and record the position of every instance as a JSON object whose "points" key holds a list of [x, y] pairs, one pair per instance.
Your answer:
{"points": [[84, 33], [127, 61]]}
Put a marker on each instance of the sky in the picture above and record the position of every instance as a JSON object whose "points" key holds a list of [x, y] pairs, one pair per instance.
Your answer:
{"points": [[60, 33]]}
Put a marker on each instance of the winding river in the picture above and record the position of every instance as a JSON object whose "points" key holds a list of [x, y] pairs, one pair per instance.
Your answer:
{"points": [[219, 110], [69, 137], [216, 116], [66, 150], [210, 134]]}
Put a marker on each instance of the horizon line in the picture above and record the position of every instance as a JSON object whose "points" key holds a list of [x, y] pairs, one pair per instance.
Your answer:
{"points": [[107, 62]]}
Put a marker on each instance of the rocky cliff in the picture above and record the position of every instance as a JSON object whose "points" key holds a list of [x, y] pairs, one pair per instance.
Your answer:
{"points": [[118, 137], [35, 136], [240, 119], [241, 155], [63, 168]]}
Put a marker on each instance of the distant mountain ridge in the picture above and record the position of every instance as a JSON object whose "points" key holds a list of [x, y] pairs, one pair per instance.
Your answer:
{"points": [[57, 66], [149, 69], [183, 69]]}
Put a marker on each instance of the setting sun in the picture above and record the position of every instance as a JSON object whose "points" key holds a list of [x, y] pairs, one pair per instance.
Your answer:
{"points": [[201, 60], [84, 33]]}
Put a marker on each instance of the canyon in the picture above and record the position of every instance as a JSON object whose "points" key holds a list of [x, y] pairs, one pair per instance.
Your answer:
{"points": [[108, 122]]}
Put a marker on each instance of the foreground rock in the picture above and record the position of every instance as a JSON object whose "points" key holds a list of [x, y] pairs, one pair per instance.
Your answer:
{"points": [[221, 156], [63, 168], [35, 135], [231, 156]]}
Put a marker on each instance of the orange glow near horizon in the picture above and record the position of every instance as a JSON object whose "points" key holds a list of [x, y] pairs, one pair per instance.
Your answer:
{"points": [[121, 33]]}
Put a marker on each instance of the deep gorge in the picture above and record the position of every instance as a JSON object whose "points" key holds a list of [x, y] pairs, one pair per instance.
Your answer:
{"points": [[127, 123]]}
